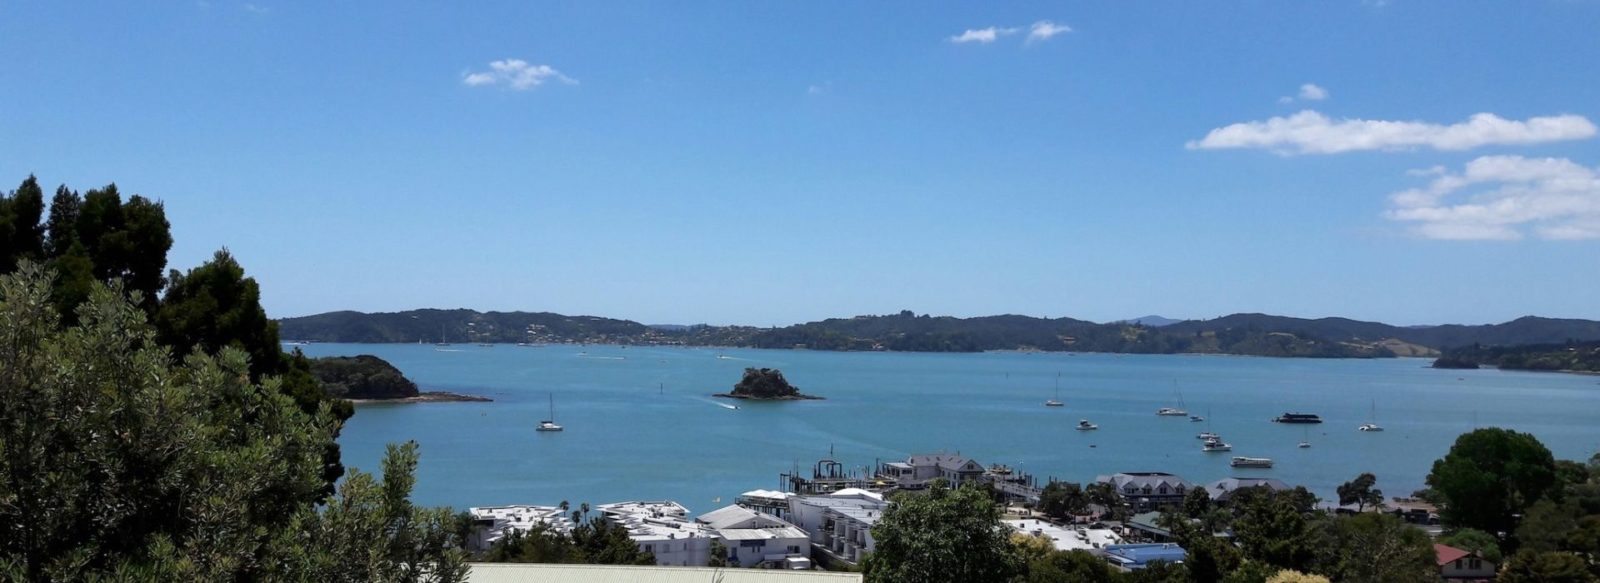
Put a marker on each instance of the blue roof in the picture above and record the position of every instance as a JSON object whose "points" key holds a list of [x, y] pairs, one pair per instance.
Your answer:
{"points": [[1137, 556]]}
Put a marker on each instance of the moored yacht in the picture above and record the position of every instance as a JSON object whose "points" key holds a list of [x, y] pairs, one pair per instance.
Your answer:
{"points": [[1215, 444], [1196, 418], [1298, 418], [1207, 436], [1251, 462], [550, 424], [1171, 412], [1056, 402], [1372, 419], [1085, 425]]}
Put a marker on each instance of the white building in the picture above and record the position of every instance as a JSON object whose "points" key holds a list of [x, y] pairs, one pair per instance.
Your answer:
{"points": [[663, 529], [839, 524], [758, 540], [492, 523], [1067, 538], [918, 470]]}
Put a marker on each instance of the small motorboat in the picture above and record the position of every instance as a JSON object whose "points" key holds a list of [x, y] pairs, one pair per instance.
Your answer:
{"points": [[1171, 412], [1207, 436], [1370, 427], [1085, 425], [1054, 403], [1251, 462], [1215, 445], [1196, 418]]}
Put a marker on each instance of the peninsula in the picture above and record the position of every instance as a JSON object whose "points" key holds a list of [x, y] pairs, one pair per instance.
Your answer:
{"points": [[765, 384]]}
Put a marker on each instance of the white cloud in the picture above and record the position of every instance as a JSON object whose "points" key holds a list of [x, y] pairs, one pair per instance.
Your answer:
{"points": [[1503, 197], [819, 88], [516, 74], [1045, 29], [982, 35], [1311, 92], [1310, 132]]}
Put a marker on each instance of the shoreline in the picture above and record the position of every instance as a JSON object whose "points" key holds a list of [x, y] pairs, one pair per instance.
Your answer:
{"points": [[426, 397]]}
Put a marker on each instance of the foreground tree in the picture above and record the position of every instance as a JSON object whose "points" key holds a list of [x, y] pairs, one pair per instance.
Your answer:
{"points": [[1060, 500], [1529, 566], [1489, 477], [116, 463], [1361, 493], [941, 535], [1377, 548], [1276, 528]]}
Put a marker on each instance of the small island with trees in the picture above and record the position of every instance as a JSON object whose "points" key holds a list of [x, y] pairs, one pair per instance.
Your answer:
{"points": [[765, 384], [367, 378]]}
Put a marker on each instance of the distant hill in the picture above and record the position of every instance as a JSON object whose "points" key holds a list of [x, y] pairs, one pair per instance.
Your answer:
{"points": [[1151, 321], [1246, 334], [1565, 357]]}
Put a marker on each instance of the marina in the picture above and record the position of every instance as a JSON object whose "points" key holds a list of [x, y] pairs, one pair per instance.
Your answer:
{"points": [[641, 424]]}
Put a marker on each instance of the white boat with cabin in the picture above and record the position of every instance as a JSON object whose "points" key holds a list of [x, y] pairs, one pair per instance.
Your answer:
{"points": [[1251, 462]]}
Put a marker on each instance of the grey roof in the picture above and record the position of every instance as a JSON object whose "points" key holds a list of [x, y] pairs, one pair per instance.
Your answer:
{"points": [[540, 573], [1223, 489], [948, 461], [1141, 479], [735, 516]]}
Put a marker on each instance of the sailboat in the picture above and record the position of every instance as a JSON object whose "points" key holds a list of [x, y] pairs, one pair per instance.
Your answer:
{"points": [[1056, 402], [1372, 419], [550, 424], [1174, 411], [1305, 441], [442, 341]]}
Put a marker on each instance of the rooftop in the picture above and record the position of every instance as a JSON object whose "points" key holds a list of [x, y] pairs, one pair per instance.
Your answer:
{"points": [[1137, 556], [1065, 538], [540, 573]]}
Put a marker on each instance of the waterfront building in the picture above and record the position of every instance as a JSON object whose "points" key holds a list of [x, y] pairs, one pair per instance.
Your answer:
{"points": [[545, 572], [1139, 556], [492, 523], [766, 502], [1222, 490], [1067, 538], [755, 539], [839, 525], [664, 529], [1147, 491], [918, 470]]}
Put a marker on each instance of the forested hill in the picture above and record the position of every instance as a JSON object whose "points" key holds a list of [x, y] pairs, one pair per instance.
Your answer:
{"points": [[1567, 357], [1245, 334]]}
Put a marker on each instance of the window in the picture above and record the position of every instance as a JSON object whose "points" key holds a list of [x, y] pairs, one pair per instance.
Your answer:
{"points": [[1474, 563], [1458, 563]]}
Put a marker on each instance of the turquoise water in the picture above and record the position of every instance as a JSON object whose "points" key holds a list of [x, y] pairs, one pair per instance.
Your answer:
{"points": [[640, 422]]}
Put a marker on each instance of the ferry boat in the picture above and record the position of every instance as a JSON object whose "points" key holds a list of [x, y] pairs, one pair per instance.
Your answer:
{"points": [[1251, 462], [1215, 444], [1298, 418], [1085, 425]]}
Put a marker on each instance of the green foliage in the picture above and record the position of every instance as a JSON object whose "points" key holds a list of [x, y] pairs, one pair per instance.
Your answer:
{"points": [[1197, 503], [361, 377], [21, 235], [1529, 566], [1250, 572], [1376, 548], [593, 541], [1469, 539], [1547, 525], [719, 554], [116, 463], [941, 535], [1490, 476], [1361, 493], [765, 383], [1292, 576], [1070, 567], [1562, 356], [215, 306], [1060, 500], [1276, 528], [1105, 494], [1210, 559]]}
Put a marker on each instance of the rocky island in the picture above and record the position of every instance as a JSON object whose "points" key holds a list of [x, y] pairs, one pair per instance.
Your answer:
{"points": [[367, 378], [765, 384]]}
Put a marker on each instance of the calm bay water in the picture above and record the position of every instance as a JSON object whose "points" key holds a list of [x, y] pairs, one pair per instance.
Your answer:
{"points": [[640, 422]]}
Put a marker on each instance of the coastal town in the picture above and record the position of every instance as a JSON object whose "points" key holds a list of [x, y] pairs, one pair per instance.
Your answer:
{"points": [[823, 518]]}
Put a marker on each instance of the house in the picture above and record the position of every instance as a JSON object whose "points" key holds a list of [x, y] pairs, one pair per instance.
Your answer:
{"points": [[1222, 490], [1147, 491], [1462, 565], [755, 539], [1139, 556], [542, 573], [492, 523], [918, 470], [1066, 538], [663, 529], [839, 524]]}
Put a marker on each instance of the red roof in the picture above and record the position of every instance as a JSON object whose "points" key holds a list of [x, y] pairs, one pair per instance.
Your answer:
{"points": [[1448, 554]]}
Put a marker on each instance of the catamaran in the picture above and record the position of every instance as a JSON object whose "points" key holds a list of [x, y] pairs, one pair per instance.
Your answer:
{"points": [[1372, 419], [1174, 411], [550, 424]]}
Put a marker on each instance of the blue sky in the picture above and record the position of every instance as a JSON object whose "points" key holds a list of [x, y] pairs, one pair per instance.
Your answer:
{"points": [[769, 163]]}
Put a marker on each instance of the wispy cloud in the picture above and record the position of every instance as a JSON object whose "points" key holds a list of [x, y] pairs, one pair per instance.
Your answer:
{"points": [[1503, 198], [983, 35], [515, 74], [819, 88], [1044, 29], [255, 8], [1311, 92], [1310, 132]]}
